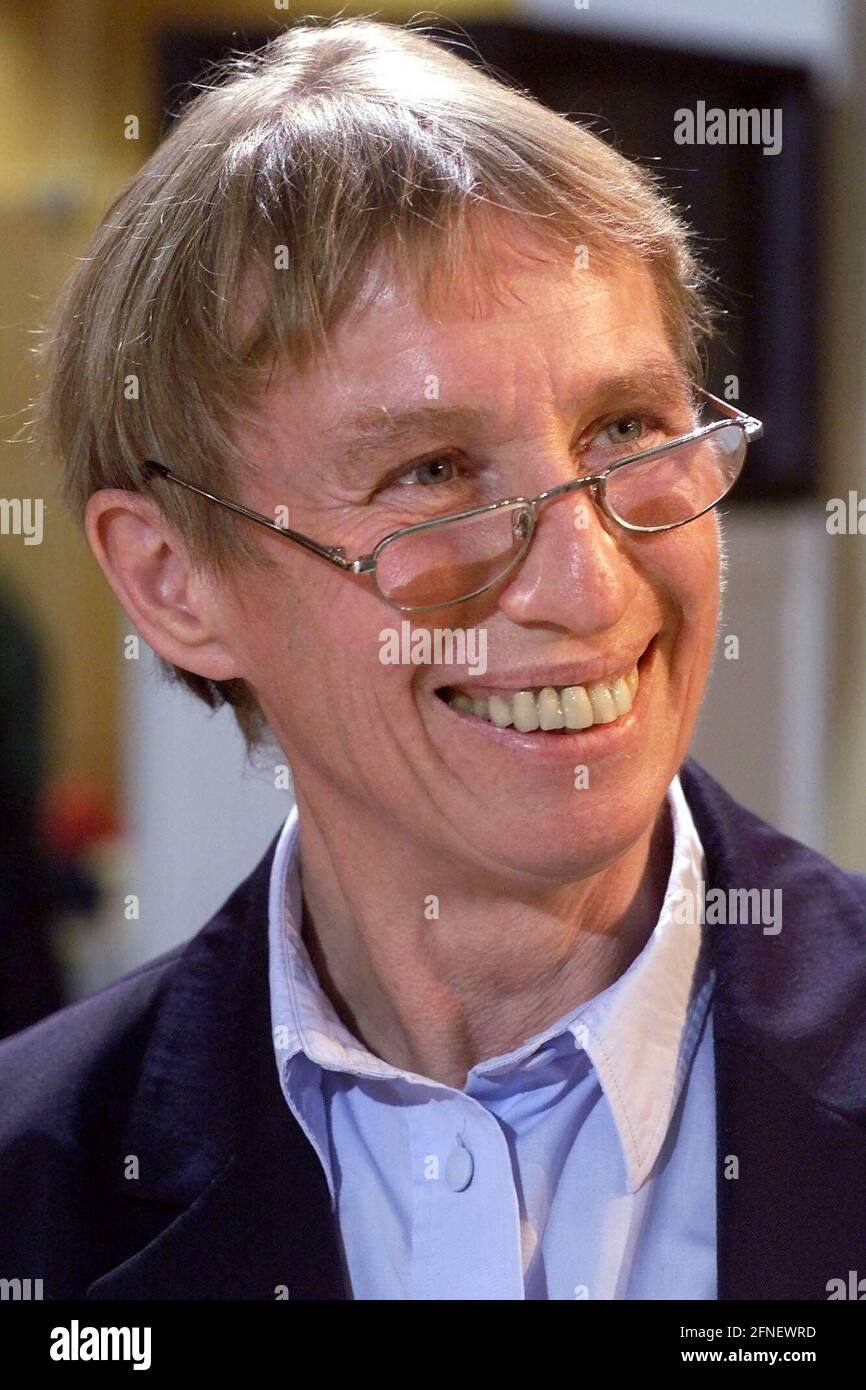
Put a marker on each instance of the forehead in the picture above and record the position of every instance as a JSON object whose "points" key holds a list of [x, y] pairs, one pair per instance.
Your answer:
{"points": [[551, 332]]}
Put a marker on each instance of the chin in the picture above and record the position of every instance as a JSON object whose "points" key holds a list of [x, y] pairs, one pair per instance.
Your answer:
{"points": [[557, 840]]}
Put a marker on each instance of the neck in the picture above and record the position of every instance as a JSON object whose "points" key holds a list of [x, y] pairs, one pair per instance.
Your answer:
{"points": [[436, 984]]}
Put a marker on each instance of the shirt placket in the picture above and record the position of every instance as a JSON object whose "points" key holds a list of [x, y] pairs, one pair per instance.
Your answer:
{"points": [[466, 1221]]}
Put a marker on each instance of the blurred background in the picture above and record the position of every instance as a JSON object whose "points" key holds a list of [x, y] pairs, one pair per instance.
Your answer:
{"points": [[127, 813]]}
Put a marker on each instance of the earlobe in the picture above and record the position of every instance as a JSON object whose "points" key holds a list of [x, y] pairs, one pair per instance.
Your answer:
{"points": [[175, 607]]}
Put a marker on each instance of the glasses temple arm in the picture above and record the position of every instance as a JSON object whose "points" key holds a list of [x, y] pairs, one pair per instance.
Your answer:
{"points": [[754, 428], [334, 553]]}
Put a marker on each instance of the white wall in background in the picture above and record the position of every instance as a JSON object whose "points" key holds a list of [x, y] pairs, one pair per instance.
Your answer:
{"points": [[199, 817]]}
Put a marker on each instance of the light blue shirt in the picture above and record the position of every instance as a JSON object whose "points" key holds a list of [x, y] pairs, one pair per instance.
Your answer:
{"points": [[581, 1165]]}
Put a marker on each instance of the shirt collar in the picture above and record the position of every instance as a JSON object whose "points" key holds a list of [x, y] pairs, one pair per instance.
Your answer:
{"points": [[640, 1033]]}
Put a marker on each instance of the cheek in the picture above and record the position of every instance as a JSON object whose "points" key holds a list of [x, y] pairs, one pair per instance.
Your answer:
{"points": [[692, 577], [701, 570], [684, 568], [310, 647]]}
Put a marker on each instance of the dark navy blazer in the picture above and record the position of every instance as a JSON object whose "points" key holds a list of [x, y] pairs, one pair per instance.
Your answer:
{"points": [[170, 1072]]}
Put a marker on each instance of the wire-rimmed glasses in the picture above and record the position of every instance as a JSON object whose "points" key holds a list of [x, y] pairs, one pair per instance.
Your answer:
{"points": [[454, 558]]}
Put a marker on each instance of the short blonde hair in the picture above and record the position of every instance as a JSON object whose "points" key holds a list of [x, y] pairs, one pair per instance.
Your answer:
{"points": [[294, 169]]}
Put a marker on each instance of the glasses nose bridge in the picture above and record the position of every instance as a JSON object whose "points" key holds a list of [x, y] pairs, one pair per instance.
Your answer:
{"points": [[561, 490], [573, 485], [534, 504]]}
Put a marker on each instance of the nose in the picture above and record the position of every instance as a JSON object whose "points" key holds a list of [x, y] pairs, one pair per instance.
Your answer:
{"points": [[576, 574]]}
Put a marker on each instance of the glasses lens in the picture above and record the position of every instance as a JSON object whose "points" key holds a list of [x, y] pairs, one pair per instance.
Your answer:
{"points": [[680, 484], [446, 563]]}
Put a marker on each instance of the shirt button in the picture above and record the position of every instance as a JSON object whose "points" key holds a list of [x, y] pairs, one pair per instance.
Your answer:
{"points": [[459, 1167]]}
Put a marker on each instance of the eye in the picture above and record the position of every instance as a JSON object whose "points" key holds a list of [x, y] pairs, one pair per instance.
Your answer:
{"points": [[627, 434], [440, 469], [626, 430]]}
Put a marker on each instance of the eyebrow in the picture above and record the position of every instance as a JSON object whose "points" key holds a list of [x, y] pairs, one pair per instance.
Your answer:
{"points": [[360, 436]]}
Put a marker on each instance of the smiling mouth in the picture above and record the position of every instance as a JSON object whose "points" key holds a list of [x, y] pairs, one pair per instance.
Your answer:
{"points": [[550, 709]]}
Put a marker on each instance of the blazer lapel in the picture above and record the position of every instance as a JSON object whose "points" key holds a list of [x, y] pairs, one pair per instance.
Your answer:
{"points": [[794, 1219], [790, 1049], [215, 1143]]}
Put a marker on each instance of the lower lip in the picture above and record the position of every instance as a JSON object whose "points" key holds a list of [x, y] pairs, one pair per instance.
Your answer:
{"points": [[594, 742]]}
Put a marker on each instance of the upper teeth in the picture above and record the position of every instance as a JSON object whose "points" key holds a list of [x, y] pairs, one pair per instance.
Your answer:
{"points": [[570, 707]]}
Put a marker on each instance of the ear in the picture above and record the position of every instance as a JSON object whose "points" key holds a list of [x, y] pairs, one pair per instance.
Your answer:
{"points": [[179, 611]]}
